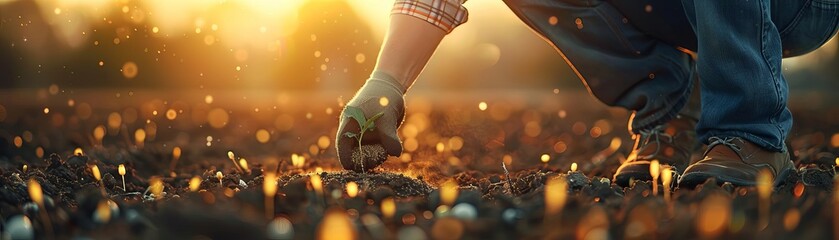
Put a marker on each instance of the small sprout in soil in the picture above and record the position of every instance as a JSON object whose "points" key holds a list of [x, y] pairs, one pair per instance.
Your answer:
{"points": [[764, 190], [365, 125], [122, 173], [448, 192], [388, 208], [655, 171], [96, 173], [25, 167], [556, 194], [232, 158], [666, 180], [220, 176], [156, 187], [194, 184], [573, 167], [176, 155], [78, 152], [244, 164], [352, 189]]}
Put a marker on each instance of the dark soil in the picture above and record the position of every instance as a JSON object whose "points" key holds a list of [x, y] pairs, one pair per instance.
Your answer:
{"points": [[494, 200]]}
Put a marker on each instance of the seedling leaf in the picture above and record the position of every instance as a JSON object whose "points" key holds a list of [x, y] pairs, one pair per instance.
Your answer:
{"points": [[371, 123], [351, 134], [357, 114]]}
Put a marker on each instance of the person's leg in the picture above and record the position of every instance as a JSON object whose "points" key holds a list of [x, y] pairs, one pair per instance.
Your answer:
{"points": [[625, 67], [744, 115]]}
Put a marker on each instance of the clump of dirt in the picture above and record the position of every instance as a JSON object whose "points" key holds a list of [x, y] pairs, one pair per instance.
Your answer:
{"points": [[399, 184], [367, 157]]}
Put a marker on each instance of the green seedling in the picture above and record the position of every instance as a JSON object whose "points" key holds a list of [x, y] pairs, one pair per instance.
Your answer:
{"points": [[364, 123]]}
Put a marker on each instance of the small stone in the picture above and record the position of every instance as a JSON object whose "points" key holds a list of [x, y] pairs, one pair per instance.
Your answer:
{"points": [[280, 228], [30, 209], [465, 211], [19, 227], [411, 233], [242, 184]]}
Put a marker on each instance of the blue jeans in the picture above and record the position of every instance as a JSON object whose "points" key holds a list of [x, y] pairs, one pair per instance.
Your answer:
{"points": [[635, 54]]}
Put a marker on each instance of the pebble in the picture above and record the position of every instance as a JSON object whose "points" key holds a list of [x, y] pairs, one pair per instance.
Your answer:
{"points": [[465, 211], [411, 233], [280, 228], [19, 227]]}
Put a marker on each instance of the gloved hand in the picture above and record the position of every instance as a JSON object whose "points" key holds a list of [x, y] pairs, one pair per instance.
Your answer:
{"points": [[368, 99]]}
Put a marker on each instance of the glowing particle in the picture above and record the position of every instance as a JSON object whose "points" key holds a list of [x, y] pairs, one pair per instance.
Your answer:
{"points": [[194, 183], [323, 142], [140, 136], [35, 192], [545, 158], [448, 192], [440, 147], [482, 106], [171, 114], [218, 118], [383, 101], [18, 141], [556, 194], [336, 224], [713, 216], [317, 183], [53, 89], [57, 11], [176, 152], [352, 189], [155, 29], [388, 208], [573, 167], [46, 110], [129, 70], [114, 121], [648, 8], [269, 184], [360, 58], [263, 136]]}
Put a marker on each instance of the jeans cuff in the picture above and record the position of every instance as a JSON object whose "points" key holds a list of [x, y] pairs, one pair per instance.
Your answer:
{"points": [[671, 110]]}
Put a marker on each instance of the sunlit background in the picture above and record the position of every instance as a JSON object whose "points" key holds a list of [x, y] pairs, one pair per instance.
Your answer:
{"points": [[267, 44]]}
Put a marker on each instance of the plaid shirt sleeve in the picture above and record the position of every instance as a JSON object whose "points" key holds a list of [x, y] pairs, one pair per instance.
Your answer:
{"points": [[445, 14]]}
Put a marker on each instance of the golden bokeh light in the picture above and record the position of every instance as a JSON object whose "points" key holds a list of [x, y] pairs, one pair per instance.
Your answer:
{"points": [[218, 118], [129, 70], [448, 192], [194, 184], [352, 189], [263, 136], [556, 194], [336, 225]]}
